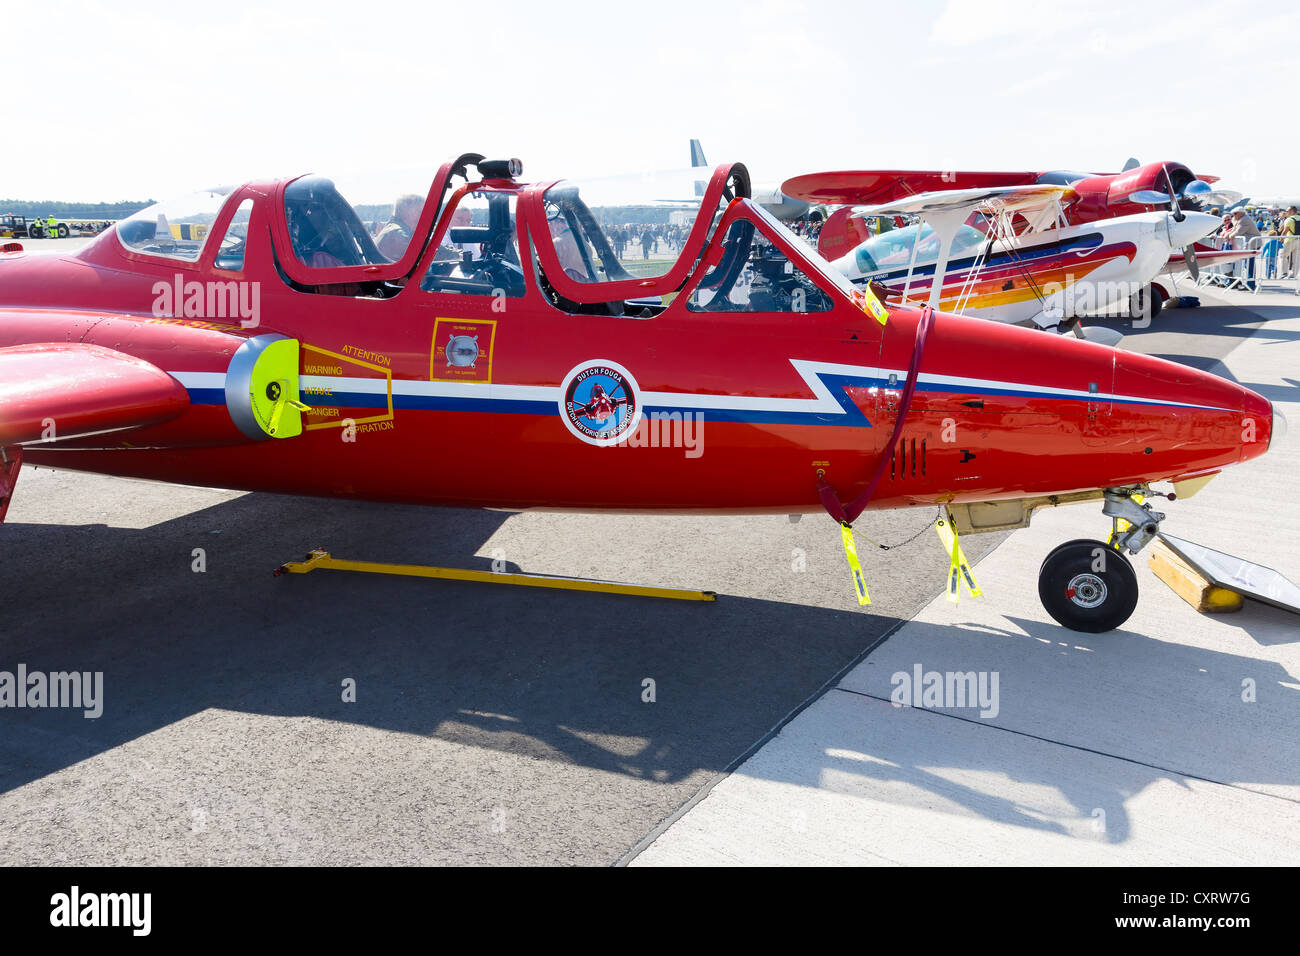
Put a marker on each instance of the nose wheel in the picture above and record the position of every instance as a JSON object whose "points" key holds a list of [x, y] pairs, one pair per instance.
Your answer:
{"points": [[1087, 586]]}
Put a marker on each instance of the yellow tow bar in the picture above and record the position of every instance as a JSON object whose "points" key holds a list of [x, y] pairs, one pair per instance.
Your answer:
{"points": [[319, 559]]}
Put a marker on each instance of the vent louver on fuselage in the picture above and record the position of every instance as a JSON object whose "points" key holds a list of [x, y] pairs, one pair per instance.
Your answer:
{"points": [[909, 459]]}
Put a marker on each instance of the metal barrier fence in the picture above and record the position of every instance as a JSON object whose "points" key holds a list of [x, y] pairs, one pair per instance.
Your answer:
{"points": [[1279, 260], [1276, 262]]}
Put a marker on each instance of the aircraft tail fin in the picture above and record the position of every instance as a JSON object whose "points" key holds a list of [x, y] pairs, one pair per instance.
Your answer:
{"points": [[697, 154], [841, 234], [697, 159]]}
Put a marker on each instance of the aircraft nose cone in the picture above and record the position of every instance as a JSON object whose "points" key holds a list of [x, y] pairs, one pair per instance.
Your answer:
{"points": [[1279, 425], [1195, 225]]}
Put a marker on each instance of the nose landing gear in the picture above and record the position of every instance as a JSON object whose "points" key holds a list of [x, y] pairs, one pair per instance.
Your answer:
{"points": [[1090, 586]]}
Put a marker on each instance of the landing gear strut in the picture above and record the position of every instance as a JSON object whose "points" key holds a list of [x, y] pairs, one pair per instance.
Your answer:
{"points": [[1090, 586]]}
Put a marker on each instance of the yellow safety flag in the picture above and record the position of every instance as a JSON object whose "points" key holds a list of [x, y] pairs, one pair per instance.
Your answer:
{"points": [[866, 301], [959, 571], [1121, 525], [851, 552]]}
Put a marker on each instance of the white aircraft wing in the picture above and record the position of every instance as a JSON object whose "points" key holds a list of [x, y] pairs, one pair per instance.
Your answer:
{"points": [[945, 211], [1037, 203]]}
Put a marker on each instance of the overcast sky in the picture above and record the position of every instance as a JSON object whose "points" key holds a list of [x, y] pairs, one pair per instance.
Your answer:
{"points": [[153, 99]]}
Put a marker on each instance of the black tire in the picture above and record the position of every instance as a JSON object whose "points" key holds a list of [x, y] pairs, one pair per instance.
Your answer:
{"points": [[1085, 589], [1137, 303], [64, 232], [1090, 542], [1158, 297], [35, 232]]}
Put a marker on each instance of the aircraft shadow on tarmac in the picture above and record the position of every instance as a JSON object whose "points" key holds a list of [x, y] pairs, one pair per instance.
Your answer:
{"points": [[557, 676], [1166, 711], [1217, 321], [1290, 392], [548, 674]]}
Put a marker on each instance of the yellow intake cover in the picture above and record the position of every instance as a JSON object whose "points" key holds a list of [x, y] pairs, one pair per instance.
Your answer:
{"points": [[262, 388]]}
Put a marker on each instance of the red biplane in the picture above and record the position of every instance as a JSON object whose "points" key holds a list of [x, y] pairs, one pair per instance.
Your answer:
{"points": [[1091, 197], [500, 354]]}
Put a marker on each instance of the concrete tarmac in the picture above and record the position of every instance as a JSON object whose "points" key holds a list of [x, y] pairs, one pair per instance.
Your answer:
{"points": [[1168, 741]]}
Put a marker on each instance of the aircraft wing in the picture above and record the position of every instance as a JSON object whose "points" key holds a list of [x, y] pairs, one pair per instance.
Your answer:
{"points": [[58, 390], [845, 187], [1036, 203], [1218, 257]]}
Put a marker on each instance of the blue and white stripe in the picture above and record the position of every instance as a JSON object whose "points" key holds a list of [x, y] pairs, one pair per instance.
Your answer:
{"points": [[830, 404]]}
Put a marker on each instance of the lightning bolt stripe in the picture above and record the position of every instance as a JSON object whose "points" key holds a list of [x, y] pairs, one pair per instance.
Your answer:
{"points": [[828, 382]]}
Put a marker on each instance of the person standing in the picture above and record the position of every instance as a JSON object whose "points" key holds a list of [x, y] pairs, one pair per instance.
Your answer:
{"points": [[1290, 233], [1242, 231], [51, 228], [1243, 225]]}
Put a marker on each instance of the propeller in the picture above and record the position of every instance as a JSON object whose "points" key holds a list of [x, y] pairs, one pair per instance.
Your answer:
{"points": [[1148, 197], [1173, 199], [1197, 190], [1204, 195]]}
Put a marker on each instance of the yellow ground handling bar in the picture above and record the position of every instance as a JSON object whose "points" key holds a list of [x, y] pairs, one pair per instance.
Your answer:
{"points": [[319, 559]]}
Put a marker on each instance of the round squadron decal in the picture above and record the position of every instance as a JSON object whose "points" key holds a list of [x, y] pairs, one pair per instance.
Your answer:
{"points": [[599, 403]]}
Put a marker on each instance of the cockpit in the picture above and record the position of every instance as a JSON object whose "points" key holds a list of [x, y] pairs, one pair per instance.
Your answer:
{"points": [[581, 245], [894, 249], [324, 227], [622, 246], [479, 252], [175, 229]]}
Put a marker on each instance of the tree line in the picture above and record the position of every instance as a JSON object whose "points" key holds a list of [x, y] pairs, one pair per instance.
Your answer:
{"points": [[70, 210]]}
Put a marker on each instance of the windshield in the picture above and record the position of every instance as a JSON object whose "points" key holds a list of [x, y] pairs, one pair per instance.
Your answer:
{"points": [[753, 274], [354, 220], [585, 252], [893, 250], [175, 229], [829, 275], [624, 227]]}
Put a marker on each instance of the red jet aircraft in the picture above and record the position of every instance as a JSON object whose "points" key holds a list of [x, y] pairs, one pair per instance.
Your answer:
{"points": [[256, 338]]}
